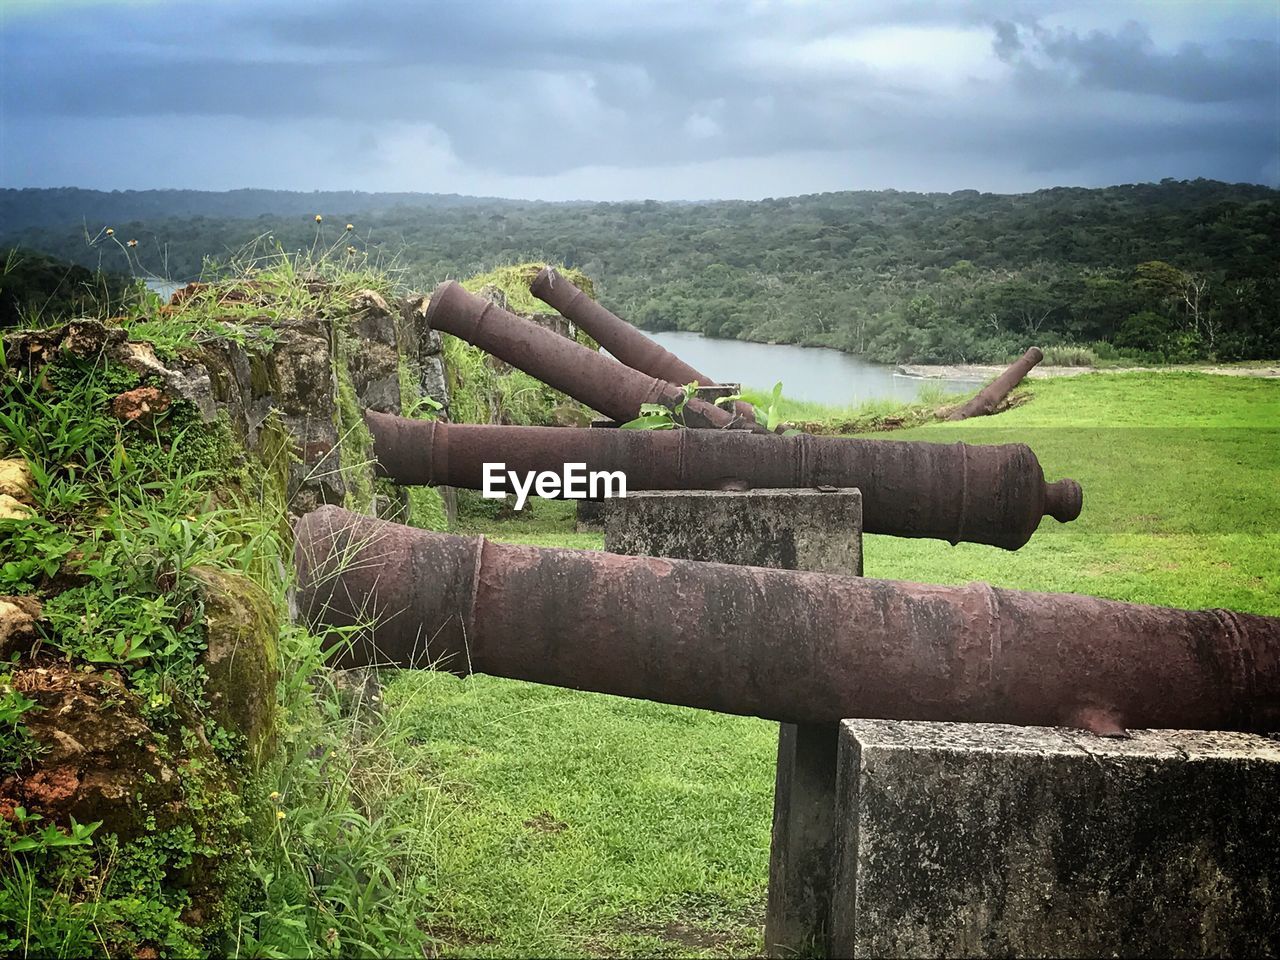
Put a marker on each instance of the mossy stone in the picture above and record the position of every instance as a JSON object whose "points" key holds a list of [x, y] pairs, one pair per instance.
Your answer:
{"points": [[241, 658]]}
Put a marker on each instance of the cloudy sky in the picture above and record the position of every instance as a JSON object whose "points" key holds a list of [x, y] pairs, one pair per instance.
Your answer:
{"points": [[620, 99]]}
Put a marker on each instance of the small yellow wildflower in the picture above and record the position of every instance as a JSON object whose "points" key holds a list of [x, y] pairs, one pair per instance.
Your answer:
{"points": [[351, 226], [279, 814], [110, 232], [133, 243], [275, 795], [318, 218], [351, 251]]}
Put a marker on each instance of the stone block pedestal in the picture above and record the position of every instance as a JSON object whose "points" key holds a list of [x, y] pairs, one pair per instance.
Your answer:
{"points": [[995, 841], [802, 529], [798, 529]]}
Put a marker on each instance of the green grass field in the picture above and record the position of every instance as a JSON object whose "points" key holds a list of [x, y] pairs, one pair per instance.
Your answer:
{"points": [[572, 824]]}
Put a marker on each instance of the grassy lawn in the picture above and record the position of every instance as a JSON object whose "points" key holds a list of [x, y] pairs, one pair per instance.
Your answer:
{"points": [[576, 824]]}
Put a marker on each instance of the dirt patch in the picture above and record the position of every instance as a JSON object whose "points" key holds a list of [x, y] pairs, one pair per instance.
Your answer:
{"points": [[689, 935], [701, 924], [445, 938], [544, 822]]}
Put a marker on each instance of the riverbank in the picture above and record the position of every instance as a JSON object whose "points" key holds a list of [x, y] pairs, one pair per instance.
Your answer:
{"points": [[982, 371]]}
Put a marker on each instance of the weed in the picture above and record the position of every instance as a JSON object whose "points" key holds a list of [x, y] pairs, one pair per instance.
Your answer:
{"points": [[657, 416], [17, 746]]}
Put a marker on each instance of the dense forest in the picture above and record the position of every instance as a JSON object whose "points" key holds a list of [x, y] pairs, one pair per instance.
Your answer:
{"points": [[1176, 271], [35, 287]]}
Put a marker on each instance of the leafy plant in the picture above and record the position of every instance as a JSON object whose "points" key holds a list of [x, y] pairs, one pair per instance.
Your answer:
{"points": [[48, 837], [17, 746], [773, 412], [657, 416]]}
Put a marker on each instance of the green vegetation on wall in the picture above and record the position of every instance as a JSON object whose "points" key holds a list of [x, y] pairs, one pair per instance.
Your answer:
{"points": [[253, 824]]}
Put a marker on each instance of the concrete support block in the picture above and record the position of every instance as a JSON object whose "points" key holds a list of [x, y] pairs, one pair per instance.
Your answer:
{"points": [[991, 840], [802, 849], [799, 529], [589, 516]]}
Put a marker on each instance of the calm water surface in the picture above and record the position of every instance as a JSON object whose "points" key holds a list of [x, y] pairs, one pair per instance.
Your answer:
{"points": [[807, 373], [166, 288]]}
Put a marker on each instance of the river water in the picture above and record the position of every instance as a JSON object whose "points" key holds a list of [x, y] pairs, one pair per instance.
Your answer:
{"points": [[807, 373], [164, 288]]}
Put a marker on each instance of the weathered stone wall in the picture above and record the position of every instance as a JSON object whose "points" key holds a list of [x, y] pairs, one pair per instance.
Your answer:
{"points": [[303, 380], [287, 394]]}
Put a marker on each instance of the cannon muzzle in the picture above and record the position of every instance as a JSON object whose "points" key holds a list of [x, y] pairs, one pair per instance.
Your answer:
{"points": [[956, 492], [603, 384], [797, 647], [990, 396], [620, 338]]}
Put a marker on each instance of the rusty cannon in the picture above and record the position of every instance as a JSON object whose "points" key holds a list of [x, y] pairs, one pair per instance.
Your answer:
{"points": [[778, 644], [620, 338], [990, 396], [603, 384], [956, 492]]}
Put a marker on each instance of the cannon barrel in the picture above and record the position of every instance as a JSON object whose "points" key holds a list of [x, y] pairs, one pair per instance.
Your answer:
{"points": [[956, 492], [603, 384], [620, 338], [989, 397], [797, 647]]}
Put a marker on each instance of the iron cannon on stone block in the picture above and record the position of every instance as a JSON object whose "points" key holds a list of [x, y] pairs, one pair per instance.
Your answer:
{"points": [[956, 492], [620, 338], [603, 384], [779, 644]]}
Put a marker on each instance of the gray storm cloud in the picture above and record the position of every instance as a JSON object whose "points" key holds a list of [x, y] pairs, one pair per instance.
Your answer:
{"points": [[677, 100]]}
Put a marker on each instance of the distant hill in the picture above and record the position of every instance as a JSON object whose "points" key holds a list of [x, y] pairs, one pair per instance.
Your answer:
{"points": [[35, 288], [1179, 270], [71, 206]]}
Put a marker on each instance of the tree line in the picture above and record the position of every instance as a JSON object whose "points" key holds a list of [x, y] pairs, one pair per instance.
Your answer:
{"points": [[1176, 271]]}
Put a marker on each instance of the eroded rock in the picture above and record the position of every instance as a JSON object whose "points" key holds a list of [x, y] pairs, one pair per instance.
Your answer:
{"points": [[140, 404], [99, 759], [17, 481], [12, 508], [374, 361], [241, 626], [424, 350], [18, 616]]}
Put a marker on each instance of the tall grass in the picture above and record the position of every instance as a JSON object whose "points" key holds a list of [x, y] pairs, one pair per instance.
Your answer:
{"points": [[882, 414]]}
